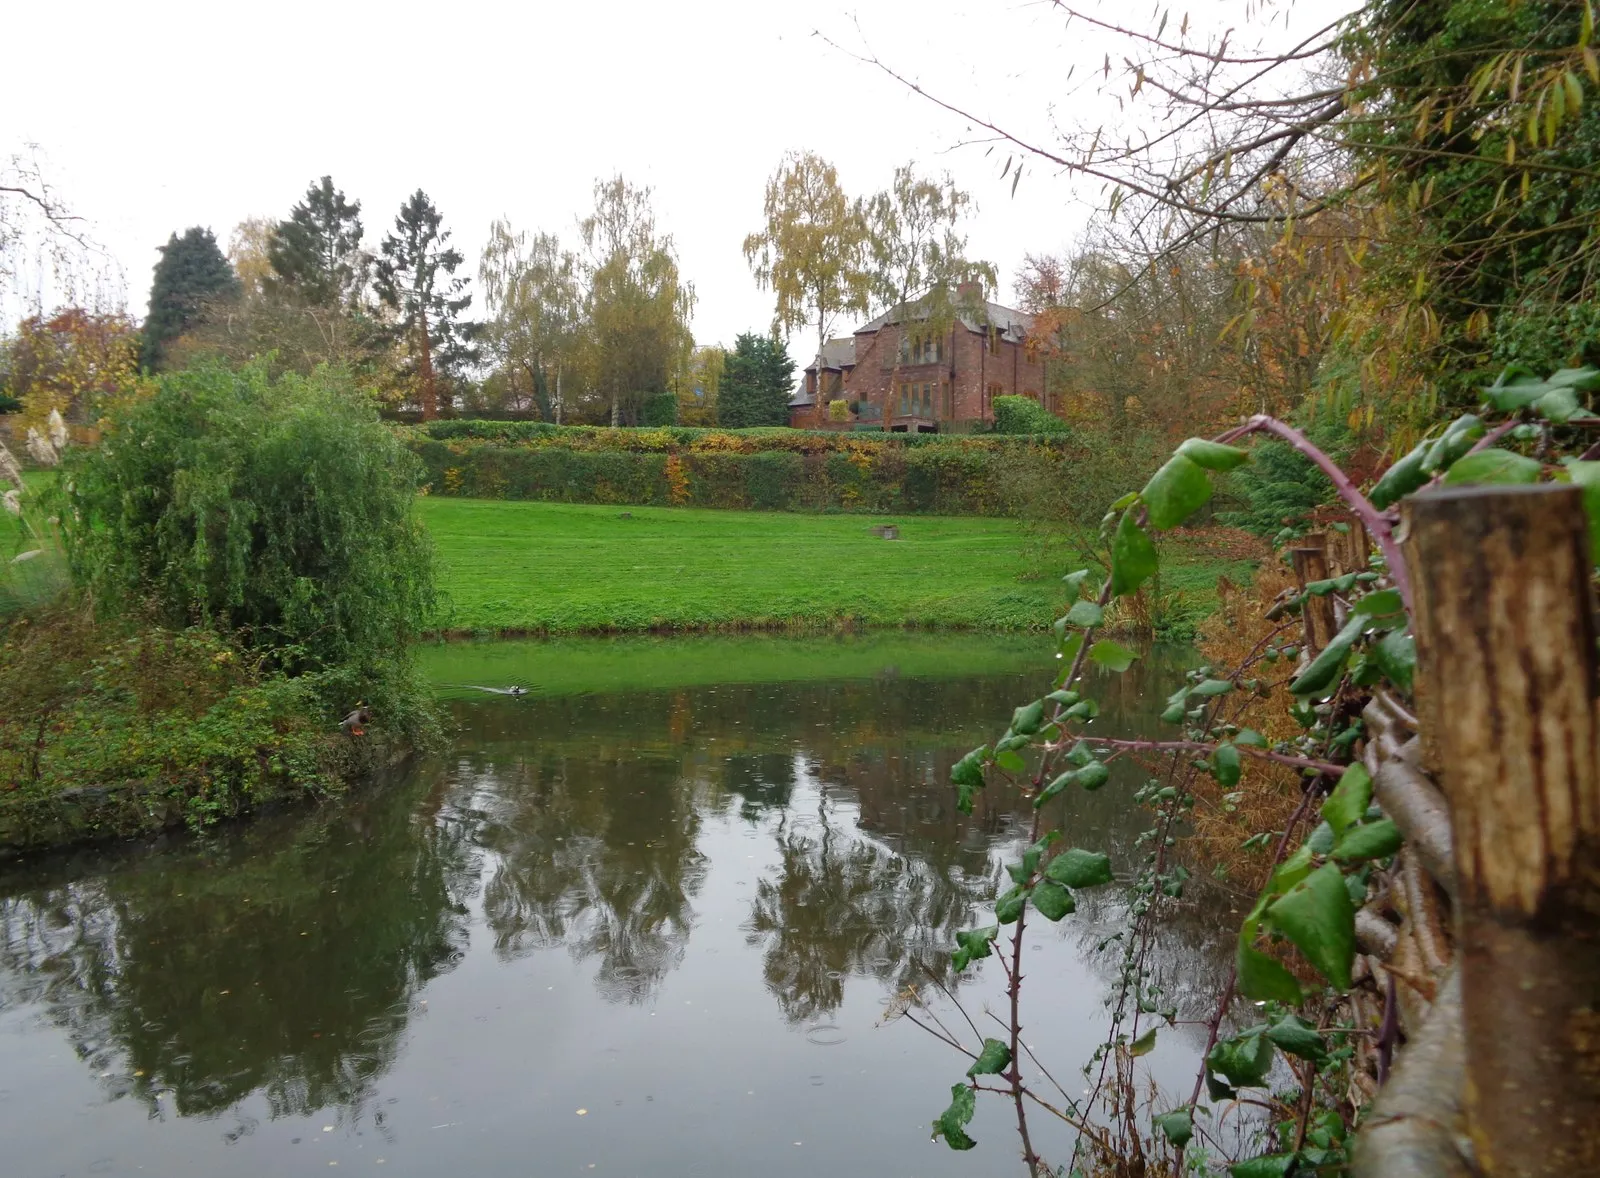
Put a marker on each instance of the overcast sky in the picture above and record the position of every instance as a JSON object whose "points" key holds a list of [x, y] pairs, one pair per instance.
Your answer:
{"points": [[152, 117]]}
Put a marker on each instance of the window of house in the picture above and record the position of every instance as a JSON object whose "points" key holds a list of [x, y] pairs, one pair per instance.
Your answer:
{"points": [[905, 399], [927, 400], [989, 394], [921, 349]]}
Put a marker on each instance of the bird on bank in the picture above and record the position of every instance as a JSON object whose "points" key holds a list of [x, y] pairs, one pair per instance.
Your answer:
{"points": [[355, 724]]}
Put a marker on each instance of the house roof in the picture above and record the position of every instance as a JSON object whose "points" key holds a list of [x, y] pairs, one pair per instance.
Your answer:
{"points": [[1012, 324], [837, 354], [801, 398]]}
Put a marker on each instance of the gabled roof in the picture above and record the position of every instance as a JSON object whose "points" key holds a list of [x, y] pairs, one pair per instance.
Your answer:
{"points": [[1012, 324], [837, 355]]}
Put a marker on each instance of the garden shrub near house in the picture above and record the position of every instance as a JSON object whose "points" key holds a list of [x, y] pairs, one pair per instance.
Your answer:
{"points": [[1024, 415]]}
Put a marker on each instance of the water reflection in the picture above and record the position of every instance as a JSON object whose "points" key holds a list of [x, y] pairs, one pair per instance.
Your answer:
{"points": [[275, 971], [282, 962]]}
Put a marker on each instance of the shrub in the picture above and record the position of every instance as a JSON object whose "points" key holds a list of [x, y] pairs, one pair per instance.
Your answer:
{"points": [[1280, 487], [659, 409], [1024, 415], [278, 512]]}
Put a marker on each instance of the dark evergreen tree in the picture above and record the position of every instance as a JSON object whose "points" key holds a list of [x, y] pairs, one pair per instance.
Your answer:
{"points": [[191, 274], [756, 382], [316, 254], [415, 278]]}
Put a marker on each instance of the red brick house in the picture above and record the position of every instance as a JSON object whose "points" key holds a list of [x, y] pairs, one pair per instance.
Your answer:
{"points": [[894, 374]]}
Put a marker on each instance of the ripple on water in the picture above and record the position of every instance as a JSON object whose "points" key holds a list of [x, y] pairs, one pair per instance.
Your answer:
{"points": [[825, 1035]]}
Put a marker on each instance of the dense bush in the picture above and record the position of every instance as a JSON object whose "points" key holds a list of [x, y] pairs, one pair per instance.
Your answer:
{"points": [[276, 512], [768, 469], [659, 409], [1280, 488], [1024, 415]]}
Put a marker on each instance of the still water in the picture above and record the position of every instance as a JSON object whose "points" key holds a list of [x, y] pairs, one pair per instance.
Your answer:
{"points": [[643, 921]]}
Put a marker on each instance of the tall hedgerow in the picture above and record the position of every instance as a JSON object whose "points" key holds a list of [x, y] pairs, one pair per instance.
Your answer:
{"points": [[276, 511]]}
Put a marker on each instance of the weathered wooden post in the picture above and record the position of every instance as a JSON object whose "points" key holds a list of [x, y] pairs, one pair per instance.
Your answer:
{"points": [[1505, 632], [1311, 564]]}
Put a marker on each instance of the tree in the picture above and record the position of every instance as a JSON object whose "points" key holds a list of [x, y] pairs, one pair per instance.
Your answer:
{"points": [[316, 254], [191, 274], [639, 306], [279, 512], [700, 390], [72, 362], [757, 378], [415, 279], [533, 292], [809, 253]]}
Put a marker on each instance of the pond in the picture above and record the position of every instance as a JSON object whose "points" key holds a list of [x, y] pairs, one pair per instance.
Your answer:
{"points": [[642, 921]]}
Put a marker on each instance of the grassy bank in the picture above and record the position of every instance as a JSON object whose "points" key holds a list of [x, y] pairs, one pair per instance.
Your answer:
{"points": [[545, 568], [577, 666]]}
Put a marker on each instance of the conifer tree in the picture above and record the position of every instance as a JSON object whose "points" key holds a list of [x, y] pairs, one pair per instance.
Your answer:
{"points": [[757, 379], [316, 254], [191, 274], [415, 279]]}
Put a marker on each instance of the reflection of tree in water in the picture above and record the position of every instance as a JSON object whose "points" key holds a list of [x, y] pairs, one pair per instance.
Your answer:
{"points": [[842, 904], [282, 960], [594, 850]]}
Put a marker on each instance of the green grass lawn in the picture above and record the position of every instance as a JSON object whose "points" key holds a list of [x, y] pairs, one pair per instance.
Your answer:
{"points": [[575, 568]]}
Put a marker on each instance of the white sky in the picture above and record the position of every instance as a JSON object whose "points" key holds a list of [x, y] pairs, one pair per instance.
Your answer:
{"points": [[155, 116]]}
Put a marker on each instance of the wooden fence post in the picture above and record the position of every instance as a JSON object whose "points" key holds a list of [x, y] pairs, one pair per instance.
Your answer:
{"points": [[1311, 564], [1505, 633]]}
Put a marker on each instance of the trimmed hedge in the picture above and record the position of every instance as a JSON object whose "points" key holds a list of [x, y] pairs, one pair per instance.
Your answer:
{"points": [[764, 469]]}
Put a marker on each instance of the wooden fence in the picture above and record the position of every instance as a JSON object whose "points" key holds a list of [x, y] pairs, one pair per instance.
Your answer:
{"points": [[1483, 940]]}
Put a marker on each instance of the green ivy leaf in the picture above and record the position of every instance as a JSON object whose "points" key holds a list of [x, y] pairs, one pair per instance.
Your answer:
{"points": [[1262, 979], [1275, 1165], [1084, 709], [1175, 492], [1085, 613], [1178, 1126], [1348, 802], [1053, 901], [1396, 658], [1225, 765], [1055, 787], [1112, 655], [1210, 687], [952, 1122], [1381, 604], [1074, 581], [1322, 839], [1250, 738], [1027, 719], [1373, 840], [1144, 1044], [969, 769], [992, 1060], [1587, 476], [1402, 478], [1494, 466], [973, 945], [1065, 698], [1093, 775], [1243, 1060], [1080, 754], [1316, 914], [1213, 455], [1133, 556], [1011, 762], [1078, 868], [1324, 669], [1295, 1036], [1009, 906], [1559, 406], [1458, 438]]}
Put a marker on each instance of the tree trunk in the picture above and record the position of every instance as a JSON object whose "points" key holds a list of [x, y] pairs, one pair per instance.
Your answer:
{"points": [[558, 394], [1507, 678], [1311, 564], [430, 392]]}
